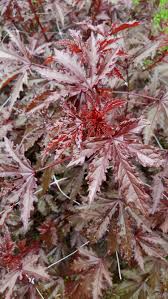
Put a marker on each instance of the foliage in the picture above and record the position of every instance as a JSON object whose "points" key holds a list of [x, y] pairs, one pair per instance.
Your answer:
{"points": [[83, 149], [162, 14]]}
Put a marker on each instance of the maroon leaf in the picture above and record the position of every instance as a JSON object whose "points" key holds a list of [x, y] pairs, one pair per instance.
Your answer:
{"points": [[125, 26], [20, 169]]}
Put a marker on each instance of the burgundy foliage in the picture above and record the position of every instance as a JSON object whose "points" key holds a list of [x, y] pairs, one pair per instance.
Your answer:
{"points": [[83, 151]]}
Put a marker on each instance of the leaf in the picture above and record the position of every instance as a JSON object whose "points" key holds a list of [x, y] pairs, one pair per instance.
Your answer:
{"points": [[153, 117], [98, 168], [159, 186], [15, 60], [27, 202], [95, 270], [124, 234], [125, 26], [117, 103], [140, 284], [27, 183], [6, 54], [55, 75], [138, 256], [131, 126], [120, 149], [8, 78], [98, 216], [4, 215], [117, 219], [37, 101], [8, 283], [164, 225], [20, 54], [153, 245], [5, 4], [60, 13], [134, 286], [93, 58], [22, 79], [16, 39], [24, 165], [157, 115], [109, 64], [148, 51], [158, 189], [88, 64], [71, 64], [43, 100], [29, 267], [87, 259], [130, 185], [146, 155], [102, 275]]}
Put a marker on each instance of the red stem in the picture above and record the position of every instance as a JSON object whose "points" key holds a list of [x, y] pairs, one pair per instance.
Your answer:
{"points": [[127, 75], [37, 19], [52, 164]]}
